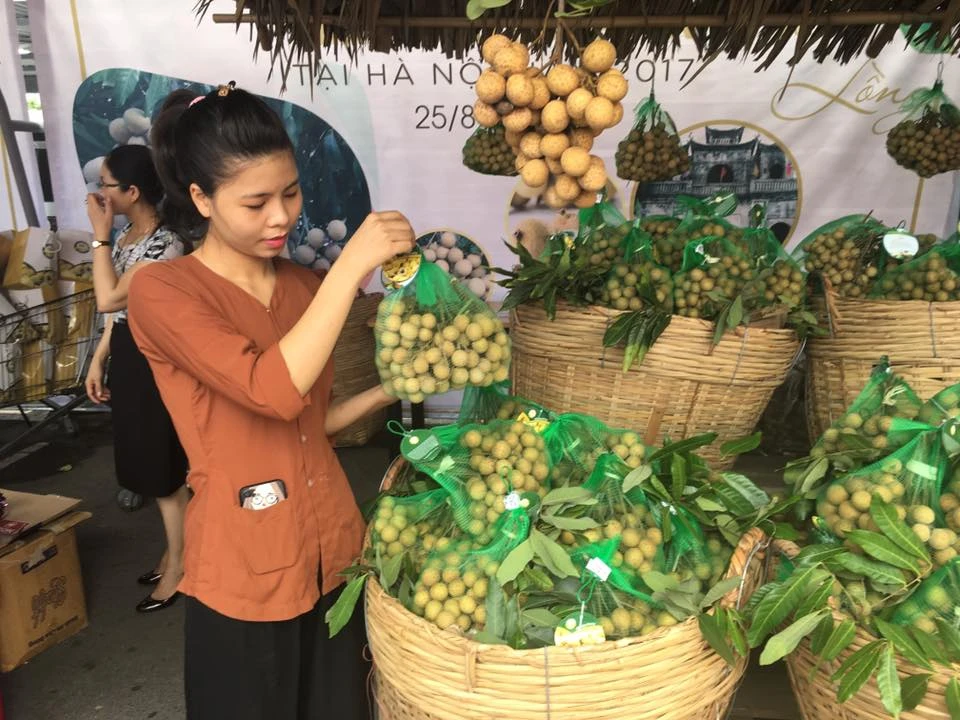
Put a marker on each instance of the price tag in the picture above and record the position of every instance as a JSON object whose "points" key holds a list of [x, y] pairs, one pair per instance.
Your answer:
{"points": [[599, 568], [512, 501], [579, 629], [922, 469], [416, 448], [531, 420], [401, 270], [900, 244]]}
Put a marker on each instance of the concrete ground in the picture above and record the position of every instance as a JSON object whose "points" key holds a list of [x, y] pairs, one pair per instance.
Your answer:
{"points": [[127, 666]]}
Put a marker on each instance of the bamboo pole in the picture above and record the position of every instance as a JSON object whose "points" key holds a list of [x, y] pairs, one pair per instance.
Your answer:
{"points": [[628, 21]]}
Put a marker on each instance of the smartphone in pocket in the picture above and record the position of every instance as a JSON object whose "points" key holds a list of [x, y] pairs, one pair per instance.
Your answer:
{"points": [[263, 495]]}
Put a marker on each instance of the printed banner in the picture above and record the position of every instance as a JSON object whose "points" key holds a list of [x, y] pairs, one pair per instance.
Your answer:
{"points": [[12, 216], [387, 132]]}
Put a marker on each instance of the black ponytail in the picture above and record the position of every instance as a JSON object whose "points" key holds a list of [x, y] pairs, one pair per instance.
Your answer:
{"points": [[201, 140]]}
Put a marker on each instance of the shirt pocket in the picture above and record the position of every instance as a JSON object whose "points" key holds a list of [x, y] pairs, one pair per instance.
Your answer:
{"points": [[269, 539]]}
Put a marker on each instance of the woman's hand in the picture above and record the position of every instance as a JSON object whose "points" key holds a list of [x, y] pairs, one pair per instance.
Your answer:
{"points": [[382, 236], [100, 212], [96, 390]]}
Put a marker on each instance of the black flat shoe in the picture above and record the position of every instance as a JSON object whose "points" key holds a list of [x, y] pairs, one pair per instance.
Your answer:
{"points": [[151, 604], [150, 578]]}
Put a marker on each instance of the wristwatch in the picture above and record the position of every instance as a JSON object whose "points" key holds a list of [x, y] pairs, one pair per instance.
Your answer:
{"points": [[100, 243]]}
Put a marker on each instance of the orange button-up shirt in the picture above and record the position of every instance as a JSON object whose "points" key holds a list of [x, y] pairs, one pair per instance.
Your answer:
{"points": [[214, 353]]}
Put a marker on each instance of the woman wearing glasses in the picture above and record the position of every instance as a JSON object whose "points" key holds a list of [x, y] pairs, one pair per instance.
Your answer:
{"points": [[148, 456]]}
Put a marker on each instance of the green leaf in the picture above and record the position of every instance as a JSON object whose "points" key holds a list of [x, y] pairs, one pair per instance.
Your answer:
{"points": [[636, 477], [658, 582], [708, 505], [817, 599], [678, 473], [390, 571], [786, 641], [568, 523], [568, 495], [888, 682], [554, 557], [814, 554], [903, 643], [741, 445], [932, 647], [717, 592], [950, 637], [475, 9], [684, 601], [713, 633], [485, 637], [341, 612], [913, 689], [953, 699], [876, 571], [884, 550], [857, 669], [682, 446], [885, 516], [514, 563], [814, 474], [619, 328], [820, 636], [541, 617], [496, 606], [736, 633], [735, 316], [779, 603], [745, 487], [839, 640]]}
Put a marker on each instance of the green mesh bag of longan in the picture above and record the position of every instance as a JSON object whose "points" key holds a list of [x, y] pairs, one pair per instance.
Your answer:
{"points": [[479, 465], [702, 219], [933, 276], [433, 335], [620, 602], [847, 252], [487, 151], [453, 585], [937, 598], [715, 271], [600, 235], [494, 402], [575, 442], [410, 524], [637, 280], [862, 434], [911, 479]]}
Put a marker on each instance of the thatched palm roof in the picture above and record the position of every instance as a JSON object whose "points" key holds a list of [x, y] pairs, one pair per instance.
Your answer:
{"points": [[763, 30]]}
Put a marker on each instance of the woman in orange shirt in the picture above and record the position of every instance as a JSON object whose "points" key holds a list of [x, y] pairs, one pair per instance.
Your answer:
{"points": [[240, 342]]}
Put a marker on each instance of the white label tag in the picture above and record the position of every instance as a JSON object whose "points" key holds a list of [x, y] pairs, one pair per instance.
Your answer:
{"points": [[599, 568], [922, 469], [512, 501], [900, 244]]}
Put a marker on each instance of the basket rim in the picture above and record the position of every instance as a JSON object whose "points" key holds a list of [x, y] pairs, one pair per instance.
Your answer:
{"points": [[612, 314]]}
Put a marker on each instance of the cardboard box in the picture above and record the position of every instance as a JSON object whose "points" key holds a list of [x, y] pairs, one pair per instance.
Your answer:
{"points": [[41, 587]]}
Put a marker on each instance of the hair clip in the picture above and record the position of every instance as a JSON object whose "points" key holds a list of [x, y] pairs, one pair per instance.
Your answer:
{"points": [[197, 99], [224, 90]]}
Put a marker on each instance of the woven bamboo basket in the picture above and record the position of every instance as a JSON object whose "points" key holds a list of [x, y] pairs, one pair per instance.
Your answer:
{"points": [[922, 341], [424, 673], [355, 370], [817, 694], [683, 387]]}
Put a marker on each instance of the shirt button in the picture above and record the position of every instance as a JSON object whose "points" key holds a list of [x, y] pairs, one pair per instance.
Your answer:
{"points": [[303, 438], [310, 482]]}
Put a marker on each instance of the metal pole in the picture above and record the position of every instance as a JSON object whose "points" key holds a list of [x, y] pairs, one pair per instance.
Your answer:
{"points": [[10, 128]]}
